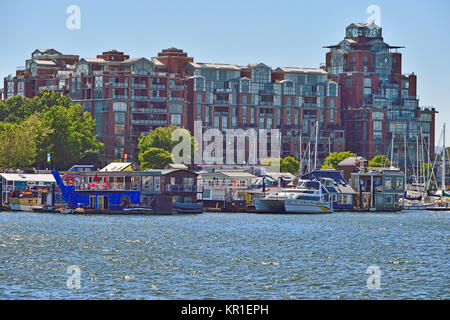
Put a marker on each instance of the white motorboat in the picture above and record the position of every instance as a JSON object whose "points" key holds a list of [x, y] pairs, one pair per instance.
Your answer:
{"points": [[309, 200], [273, 202]]}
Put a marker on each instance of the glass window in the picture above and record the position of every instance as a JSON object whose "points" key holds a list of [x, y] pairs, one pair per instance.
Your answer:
{"points": [[387, 183], [119, 117], [157, 181], [147, 182], [175, 119], [120, 106]]}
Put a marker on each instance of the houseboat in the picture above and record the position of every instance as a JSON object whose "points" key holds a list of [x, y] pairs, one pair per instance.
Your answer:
{"points": [[226, 190], [337, 190], [378, 189], [28, 191], [164, 191]]}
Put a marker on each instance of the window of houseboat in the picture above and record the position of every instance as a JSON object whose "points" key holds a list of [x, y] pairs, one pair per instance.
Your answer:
{"points": [[111, 183], [387, 183], [136, 183], [147, 182], [175, 198], [400, 183], [127, 183], [92, 202], [389, 199], [157, 183], [120, 183], [187, 199]]}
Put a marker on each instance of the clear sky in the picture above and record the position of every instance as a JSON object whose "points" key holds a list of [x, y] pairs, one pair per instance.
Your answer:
{"points": [[278, 33]]}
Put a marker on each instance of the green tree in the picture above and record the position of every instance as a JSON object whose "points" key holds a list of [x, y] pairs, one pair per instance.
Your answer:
{"points": [[161, 139], [289, 164], [336, 157], [380, 161], [71, 138], [18, 108], [20, 142], [154, 158]]}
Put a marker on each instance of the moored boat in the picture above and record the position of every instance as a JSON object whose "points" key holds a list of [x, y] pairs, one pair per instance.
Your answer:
{"points": [[310, 199]]}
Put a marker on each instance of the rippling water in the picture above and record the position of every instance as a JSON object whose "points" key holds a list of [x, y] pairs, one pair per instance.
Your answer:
{"points": [[225, 256]]}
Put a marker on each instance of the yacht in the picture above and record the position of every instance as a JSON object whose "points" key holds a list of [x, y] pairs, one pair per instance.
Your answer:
{"points": [[309, 199], [273, 202]]}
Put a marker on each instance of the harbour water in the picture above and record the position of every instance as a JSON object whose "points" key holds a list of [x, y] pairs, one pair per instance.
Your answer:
{"points": [[225, 256]]}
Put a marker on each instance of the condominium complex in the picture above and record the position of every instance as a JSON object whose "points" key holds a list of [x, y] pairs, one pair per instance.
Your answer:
{"points": [[379, 104], [358, 101]]}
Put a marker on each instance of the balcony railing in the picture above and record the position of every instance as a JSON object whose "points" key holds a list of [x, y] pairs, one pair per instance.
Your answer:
{"points": [[140, 122], [157, 86], [142, 98], [176, 87], [221, 102], [179, 99], [139, 85], [223, 184], [119, 84], [181, 188], [115, 96], [157, 99]]}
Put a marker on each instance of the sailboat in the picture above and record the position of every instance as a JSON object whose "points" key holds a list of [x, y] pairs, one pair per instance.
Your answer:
{"points": [[444, 202]]}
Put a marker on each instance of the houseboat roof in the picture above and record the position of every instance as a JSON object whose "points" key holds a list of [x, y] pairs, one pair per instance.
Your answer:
{"points": [[116, 166], [28, 177]]}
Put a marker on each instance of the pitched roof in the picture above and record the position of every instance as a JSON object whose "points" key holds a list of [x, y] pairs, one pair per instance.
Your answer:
{"points": [[116, 166], [351, 161], [28, 177], [301, 70], [202, 65]]}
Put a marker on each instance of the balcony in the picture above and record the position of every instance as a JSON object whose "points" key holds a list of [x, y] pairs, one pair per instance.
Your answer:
{"points": [[158, 99], [224, 184], [141, 110], [179, 99], [222, 90], [221, 102], [267, 91], [157, 86], [139, 85], [140, 98], [140, 122], [266, 103], [176, 87], [115, 96], [181, 188], [119, 84]]}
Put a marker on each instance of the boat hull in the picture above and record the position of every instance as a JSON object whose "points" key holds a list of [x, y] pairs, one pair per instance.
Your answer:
{"points": [[293, 206], [269, 206]]}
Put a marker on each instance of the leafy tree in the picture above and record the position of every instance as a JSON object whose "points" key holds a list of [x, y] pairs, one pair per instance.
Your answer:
{"points": [[20, 142], [161, 138], [18, 108], [155, 158], [336, 157], [380, 161], [72, 136], [289, 164]]}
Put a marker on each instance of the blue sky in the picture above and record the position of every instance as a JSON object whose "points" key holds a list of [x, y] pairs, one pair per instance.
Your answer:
{"points": [[278, 33]]}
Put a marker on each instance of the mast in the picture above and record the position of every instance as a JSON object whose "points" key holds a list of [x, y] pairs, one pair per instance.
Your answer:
{"points": [[417, 161], [443, 162], [329, 152], [404, 184], [315, 148], [301, 157], [392, 152]]}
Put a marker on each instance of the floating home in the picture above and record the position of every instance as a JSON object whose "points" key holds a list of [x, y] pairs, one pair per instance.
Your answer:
{"points": [[226, 190], [339, 191], [378, 189], [166, 191]]}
